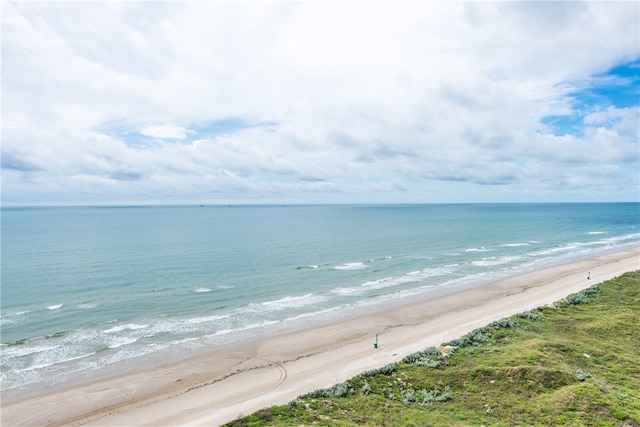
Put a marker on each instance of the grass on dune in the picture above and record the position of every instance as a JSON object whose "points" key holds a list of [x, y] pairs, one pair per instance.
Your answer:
{"points": [[574, 363]]}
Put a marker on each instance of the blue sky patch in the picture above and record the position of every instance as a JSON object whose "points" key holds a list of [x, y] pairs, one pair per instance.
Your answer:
{"points": [[227, 126], [126, 132], [618, 87]]}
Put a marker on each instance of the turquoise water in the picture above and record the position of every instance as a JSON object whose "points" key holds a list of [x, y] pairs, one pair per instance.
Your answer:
{"points": [[86, 290]]}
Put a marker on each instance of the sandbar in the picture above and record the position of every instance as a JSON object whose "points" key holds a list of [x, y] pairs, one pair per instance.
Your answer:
{"points": [[217, 387]]}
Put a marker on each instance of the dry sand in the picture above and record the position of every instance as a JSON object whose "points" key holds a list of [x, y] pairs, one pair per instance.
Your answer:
{"points": [[214, 388]]}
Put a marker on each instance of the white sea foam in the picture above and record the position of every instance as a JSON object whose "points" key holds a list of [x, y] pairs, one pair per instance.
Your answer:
{"points": [[22, 350], [313, 313], [480, 249], [487, 262], [351, 266], [555, 250], [203, 319], [6, 321], [10, 318], [596, 232], [514, 245], [245, 328], [182, 341], [627, 238], [19, 313], [54, 307], [387, 282], [118, 342], [574, 249], [55, 362], [290, 302], [202, 290], [128, 326], [346, 291], [494, 261]]}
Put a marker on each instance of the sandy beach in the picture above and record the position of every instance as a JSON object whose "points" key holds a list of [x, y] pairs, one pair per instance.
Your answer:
{"points": [[217, 387]]}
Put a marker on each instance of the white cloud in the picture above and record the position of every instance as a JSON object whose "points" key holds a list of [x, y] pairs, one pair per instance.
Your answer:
{"points": [[622, 121], [415, 101]]}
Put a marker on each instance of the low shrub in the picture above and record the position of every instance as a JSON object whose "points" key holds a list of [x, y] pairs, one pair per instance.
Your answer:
{"points": [[593, 289], [409, 397], [425, 397], [385, 370], [507, 323], [431, 358], [366, 389], [582, 375], [431, 363], [579, 298], [582, 296], [338, 390], [529, 315], [475, 337]]}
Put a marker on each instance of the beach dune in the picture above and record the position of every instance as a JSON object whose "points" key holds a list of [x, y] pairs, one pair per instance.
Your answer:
{"points": [[216, 387]]}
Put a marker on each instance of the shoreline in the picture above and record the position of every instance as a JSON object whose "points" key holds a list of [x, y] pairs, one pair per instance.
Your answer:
{"points": [[215, 387]]}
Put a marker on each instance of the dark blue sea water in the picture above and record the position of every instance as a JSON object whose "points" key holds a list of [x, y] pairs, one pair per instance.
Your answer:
{"points": [[88, 290]]}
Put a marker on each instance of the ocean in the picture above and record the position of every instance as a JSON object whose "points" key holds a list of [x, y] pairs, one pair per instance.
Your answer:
{"points": [[88, 291]]}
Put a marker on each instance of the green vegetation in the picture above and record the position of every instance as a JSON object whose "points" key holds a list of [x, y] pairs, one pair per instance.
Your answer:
{"points": [[576, 363]]}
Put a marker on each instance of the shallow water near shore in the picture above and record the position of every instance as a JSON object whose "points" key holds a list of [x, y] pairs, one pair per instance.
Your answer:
{"points": [[90, 289]]}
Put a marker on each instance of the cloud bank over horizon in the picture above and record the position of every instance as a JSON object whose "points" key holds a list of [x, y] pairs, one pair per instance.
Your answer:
{"points": [[320, 102]]}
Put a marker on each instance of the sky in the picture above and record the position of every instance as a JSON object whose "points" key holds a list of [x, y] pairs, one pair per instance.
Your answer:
{"points": [[319, 102]]}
